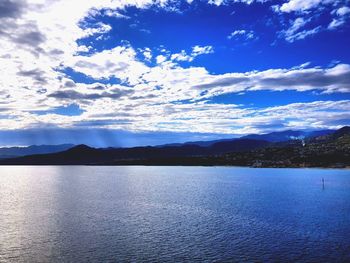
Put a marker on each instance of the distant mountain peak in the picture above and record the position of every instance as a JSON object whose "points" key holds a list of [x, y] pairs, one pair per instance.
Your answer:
{"points": [[81, 147]]}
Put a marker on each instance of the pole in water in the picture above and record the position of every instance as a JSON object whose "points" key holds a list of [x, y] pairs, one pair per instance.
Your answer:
{"points": [[322, 183]]}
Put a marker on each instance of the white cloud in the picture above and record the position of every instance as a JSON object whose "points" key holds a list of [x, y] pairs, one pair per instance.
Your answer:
{"points": [[341, 16], [302, 5], [115, 13], [296, 31], [296, 25], [182, 56], [335, 23], [226, 2], [119, 62], [147, 53], [242, 33], [160, 59], [307, 11], [39, 37], [200, 50], [344, 10], [196, 51], [299, 79], [99, 28]]}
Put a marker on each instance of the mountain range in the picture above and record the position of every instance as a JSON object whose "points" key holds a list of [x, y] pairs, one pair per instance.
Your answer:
{"points": [[326, 148], [279, 136]]}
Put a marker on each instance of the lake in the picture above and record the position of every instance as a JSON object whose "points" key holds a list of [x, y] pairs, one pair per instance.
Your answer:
{"points": [[173, 214]]}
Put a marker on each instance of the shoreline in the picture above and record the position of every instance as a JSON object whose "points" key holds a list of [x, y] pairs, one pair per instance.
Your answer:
{"points": [[184, 165]]}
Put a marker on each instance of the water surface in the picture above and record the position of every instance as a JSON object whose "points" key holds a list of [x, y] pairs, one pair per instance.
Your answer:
{"points": [[135, 213]]}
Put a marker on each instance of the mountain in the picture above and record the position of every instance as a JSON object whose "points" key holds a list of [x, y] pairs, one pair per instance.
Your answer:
{"points": [[237, 145], [331, 150], [324, 150], [83, 154], [281, 136], [210, 143], [11, 152], [343, 132]]}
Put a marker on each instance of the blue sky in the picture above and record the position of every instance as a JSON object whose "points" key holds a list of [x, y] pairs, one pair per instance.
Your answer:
{"points": [[122, 73]]}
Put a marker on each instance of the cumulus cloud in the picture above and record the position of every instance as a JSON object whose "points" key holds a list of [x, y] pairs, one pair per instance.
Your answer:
{"points": [[119, 62], [11, 9], [115, 13], [295, 31], [248, 35], [75, 95], [225, 2], [308, 12], [302, 5], [98, 28], [229, 119], [200, 50], [335, 79], [344, 10], [341, 15], [35, 74], [196, 51], [147, 53], [160, 59]]}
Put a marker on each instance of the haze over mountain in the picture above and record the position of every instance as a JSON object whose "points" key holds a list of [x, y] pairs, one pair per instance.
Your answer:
{"points": [[279, 136], [8, 152], [288, 135]]}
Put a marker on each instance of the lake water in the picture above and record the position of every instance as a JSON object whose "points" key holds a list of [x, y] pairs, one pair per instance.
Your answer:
{"points": [[176, 214]]}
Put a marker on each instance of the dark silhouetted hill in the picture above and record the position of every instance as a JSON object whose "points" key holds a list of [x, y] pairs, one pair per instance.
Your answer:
{"points": [[83, 154]]}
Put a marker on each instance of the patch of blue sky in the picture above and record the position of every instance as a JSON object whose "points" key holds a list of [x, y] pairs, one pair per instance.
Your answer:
{"points": [[69, 110], [82, 78], [203, 24]]}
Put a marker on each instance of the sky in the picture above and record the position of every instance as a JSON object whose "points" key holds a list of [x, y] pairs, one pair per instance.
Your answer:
{"points": [[142, 72]]}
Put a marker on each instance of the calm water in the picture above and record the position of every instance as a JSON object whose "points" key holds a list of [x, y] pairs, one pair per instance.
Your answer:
{"points": [[77, 213]]}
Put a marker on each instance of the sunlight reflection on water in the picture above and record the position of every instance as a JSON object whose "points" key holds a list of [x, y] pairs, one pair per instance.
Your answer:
{"points": [[135, 213]]}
